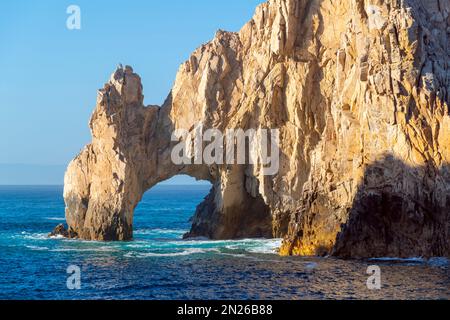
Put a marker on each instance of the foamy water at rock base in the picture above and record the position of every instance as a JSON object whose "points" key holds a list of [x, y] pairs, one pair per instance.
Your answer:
{"points": [[159, 264]]}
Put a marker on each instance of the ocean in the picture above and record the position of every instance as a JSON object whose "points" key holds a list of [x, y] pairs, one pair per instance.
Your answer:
{"points": [[158, 264]]}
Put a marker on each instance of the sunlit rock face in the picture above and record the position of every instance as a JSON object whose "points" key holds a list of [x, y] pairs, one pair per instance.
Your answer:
{"points": [[359, 92]]}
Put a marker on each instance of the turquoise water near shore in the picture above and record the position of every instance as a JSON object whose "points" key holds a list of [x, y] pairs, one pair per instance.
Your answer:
{"points": [[158, 264]]}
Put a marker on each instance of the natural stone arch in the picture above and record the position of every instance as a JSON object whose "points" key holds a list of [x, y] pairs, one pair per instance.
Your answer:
{"points": [[129, 154]]}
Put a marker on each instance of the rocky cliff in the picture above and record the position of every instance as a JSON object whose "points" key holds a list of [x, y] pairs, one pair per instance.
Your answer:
{"points": [[359, 90]]}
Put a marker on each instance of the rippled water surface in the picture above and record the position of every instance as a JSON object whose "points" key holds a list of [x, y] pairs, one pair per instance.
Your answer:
{"points": [[158, 264]]}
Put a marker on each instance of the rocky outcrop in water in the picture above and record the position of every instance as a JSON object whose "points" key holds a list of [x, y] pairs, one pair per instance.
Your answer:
{"points": [[359, 91]]}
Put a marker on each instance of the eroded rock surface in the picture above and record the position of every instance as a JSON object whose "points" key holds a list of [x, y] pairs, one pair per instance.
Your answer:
{"points": [[359, 91]]}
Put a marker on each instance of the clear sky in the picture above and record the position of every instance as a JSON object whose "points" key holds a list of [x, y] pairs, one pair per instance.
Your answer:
{"points": [[50, 74]]}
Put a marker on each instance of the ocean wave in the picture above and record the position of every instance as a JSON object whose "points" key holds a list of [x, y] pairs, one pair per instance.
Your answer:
{"points": [[186, 252], [32, 236], [261, 246], [195, 243], [175, 232], [160, 247], [267, 246], [37, 248], [255, 246], [138, 246], [99, 249], [55, 219], [37, 236]]}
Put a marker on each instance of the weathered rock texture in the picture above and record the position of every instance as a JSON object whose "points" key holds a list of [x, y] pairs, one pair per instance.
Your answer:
{"points": [[360, 92]]}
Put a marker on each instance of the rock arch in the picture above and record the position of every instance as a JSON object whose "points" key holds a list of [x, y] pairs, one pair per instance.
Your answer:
{"points": [[129, 154]]}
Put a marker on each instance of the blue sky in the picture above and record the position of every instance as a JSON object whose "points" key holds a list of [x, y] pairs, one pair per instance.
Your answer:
{"points": [[50, 74]]}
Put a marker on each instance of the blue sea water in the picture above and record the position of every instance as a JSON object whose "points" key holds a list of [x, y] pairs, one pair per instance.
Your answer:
{"points": [[158, 264]]}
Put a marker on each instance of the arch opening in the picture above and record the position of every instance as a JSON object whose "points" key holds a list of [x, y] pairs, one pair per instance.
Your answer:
{"points": [[167, 208], [195, 209]]}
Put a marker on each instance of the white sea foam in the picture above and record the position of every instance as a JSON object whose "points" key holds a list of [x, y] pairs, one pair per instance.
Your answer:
{"points": [[178, 247], [57, 237], [434, 262], [34, 236], [195, 243], [137, 246], [37, 236], [159, 231], [55, 219], [266, 246], [99, 249], [256, 244], [237, 255], [37, 248], [186, 252]]}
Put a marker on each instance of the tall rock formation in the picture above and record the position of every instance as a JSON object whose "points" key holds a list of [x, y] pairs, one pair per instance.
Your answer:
{"points": [[359, 90]]}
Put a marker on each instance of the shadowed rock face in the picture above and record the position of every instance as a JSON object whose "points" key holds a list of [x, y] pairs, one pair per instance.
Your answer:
{"points": [[359, 93], [398, 211]]}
